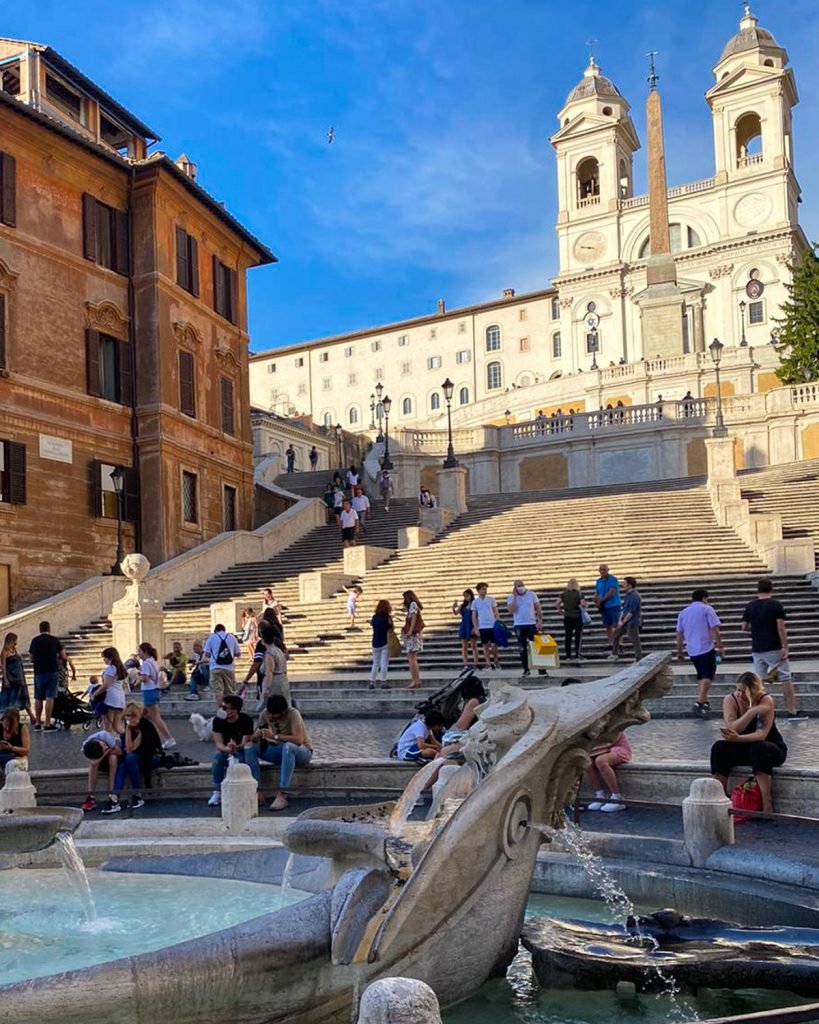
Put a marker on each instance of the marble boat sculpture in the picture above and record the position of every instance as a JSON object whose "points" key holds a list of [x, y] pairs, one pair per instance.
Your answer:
{"points": [[441, 900]]}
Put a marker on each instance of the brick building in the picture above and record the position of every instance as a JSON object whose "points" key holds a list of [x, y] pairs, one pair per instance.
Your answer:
{"points": [[123, 337]]}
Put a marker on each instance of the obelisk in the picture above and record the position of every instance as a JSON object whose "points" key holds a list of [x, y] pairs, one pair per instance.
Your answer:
{"points": [[661, 304]]}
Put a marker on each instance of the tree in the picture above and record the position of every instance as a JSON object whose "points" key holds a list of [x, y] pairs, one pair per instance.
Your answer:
{"points": [[798, 339]]}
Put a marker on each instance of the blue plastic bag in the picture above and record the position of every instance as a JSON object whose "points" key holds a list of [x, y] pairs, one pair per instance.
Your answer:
{"points": [[501, 634]]}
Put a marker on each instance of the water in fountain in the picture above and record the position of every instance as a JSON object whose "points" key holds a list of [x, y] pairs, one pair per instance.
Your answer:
{"points": [[621, 909], [75, 870], [287, 878]]}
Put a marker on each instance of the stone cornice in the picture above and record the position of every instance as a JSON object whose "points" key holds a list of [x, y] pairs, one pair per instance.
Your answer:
{"points": [[7, 277], [106, 317], [186, 334], [227, 360]]}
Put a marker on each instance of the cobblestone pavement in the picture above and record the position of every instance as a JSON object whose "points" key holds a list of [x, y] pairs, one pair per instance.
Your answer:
{"points": [[683, 740]]}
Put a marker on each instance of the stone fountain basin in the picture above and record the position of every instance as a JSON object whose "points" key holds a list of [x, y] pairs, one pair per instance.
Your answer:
{"points": [[26, 830]]}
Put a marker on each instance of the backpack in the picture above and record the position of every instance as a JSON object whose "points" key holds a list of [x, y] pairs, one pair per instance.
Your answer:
{"points": [[224, 655]]}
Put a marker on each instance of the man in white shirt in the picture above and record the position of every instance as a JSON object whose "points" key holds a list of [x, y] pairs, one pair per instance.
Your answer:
{"points": [[222, 649], [348, 521], [698, 627], [484, 617], [527, 618], [361, 505]]}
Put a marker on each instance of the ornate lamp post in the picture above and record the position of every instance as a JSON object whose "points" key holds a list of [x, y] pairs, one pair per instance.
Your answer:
{"points": [[715, 348], [372, 411], [379, 410], [508, 415], [386, 462], [338, 443], [743, 341], [594, 347], [450, 462], [118, 480]]}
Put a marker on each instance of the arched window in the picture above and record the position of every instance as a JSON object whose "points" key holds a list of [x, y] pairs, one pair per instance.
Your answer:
{"points": [[406, 407], [625, 181], [557, 349], [352, 415], [463, 396], [588, 182], [434, 401], [327, 419], [748, 131], [494, 376], [493, 338], [681, 237]]}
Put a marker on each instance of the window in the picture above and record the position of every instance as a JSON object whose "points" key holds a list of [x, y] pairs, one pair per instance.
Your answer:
{"points": [[271, 367], [352, 379], [462, 327], [326, 383], [434, 363], [463, 396], [433, 333], [756, 312], [12, 473], [302, 389], [749, 140], [588, 182], [229, 508], [8, 190], [434, 401], [352, 416], [375, 346], [10, 78], [228, 419], [114, 135], [190, 498], [299, 362], [406, 407], [3, 333], [327, 419], [324, 357], [108, 368], [105, 495], [592, 342], [463, 356], [379, 373], [64, 98], [493, 338], [406, 369], [105, 235], [403, 339], [680, 237], [522, 315], [187, 383], [555, 308], [187, 262], [494, 376], [225, 297], [557, 349], [524, 344], [348, 352]]}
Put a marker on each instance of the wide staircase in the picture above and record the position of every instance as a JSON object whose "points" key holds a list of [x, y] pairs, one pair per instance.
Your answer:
{"points": [[308, 484], [792, 491]]}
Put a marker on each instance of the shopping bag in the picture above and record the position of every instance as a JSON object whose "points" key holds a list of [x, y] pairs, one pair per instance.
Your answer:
{"points": [[746, 797]]}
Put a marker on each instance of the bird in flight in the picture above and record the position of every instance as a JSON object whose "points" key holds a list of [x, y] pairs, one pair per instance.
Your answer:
{"points": [[331, 134]]}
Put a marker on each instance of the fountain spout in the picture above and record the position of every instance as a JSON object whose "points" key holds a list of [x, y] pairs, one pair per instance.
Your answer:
{"points": [[28, 829]]}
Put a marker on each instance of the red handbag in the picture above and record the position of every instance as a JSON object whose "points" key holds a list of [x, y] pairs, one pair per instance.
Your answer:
{"points": [[746, 797]]}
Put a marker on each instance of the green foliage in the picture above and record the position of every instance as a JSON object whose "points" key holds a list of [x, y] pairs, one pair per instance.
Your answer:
{"points": [[798, 340]]}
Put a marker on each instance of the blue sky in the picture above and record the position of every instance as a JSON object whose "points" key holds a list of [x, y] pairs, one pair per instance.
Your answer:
{"points": [[440, 181]]}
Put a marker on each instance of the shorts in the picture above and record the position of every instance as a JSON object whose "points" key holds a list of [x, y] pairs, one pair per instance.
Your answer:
{"points": [[337, 511], [412, 644], [348, 533], [102, 708], [610, 616], [767, 661], [705, 665], [151, 697], [487, 635], [46, 685], [414, 754]]}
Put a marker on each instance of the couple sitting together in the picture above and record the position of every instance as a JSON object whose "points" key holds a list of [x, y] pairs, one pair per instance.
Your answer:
{"points": [[428, 737], [278, 737]]}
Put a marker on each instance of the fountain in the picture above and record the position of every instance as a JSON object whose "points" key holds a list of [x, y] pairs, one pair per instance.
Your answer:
{"points": [[28, 829], [440, 900]]}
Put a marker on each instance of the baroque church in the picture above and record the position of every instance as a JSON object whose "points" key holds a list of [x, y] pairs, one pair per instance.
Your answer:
{"points": [[641, 277]]}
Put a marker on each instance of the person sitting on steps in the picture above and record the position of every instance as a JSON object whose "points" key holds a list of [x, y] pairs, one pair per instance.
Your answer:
{"points": [[280, 738], [602, 777], [421, 740]]}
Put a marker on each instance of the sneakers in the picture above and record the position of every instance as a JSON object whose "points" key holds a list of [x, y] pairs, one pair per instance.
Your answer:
{"points": [[89, 803], [613, 806], [112, 807], [279, 803], [596, 805], [215, 798], [797, 716], [37, 726], [702, 709], [51, 728], [613, 657], [137, 802], [191, 696], [167, 744]]}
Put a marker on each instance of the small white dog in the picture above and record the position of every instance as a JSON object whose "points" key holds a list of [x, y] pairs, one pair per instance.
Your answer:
{"points": [[203, 727]]}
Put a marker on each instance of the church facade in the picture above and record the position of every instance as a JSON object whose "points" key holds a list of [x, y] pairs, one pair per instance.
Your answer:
{"points": [[731, 237]]}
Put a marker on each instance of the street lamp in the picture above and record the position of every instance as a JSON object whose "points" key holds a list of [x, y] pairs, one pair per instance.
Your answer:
{"points": [[372, 411], [118, 480], [379, 410], [386, 462], [508, 415], [594, 347], [743, 341], [715, 348], [450, 462], [338, 443]]}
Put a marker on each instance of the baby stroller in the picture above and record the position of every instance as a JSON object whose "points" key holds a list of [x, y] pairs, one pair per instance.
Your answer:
{"points": [[447, 700], [70, 709]]}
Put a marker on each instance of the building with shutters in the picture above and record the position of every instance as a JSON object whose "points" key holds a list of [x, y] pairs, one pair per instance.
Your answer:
{"points": [[123, 337]]}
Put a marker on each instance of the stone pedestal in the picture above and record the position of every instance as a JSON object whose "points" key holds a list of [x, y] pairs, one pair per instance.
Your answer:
{"points": [[363, 557], [227, 614], [414, 537], [452, 490], [721, 464], [137, 616], [18, 791], [707, 825], [239, 800], [436, 519], [399, 1001], [318, 586]]}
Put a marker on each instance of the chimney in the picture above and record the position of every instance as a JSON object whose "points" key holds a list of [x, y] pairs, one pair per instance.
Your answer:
{"points": [[186, 165], [509, 293], [441, 307]]}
